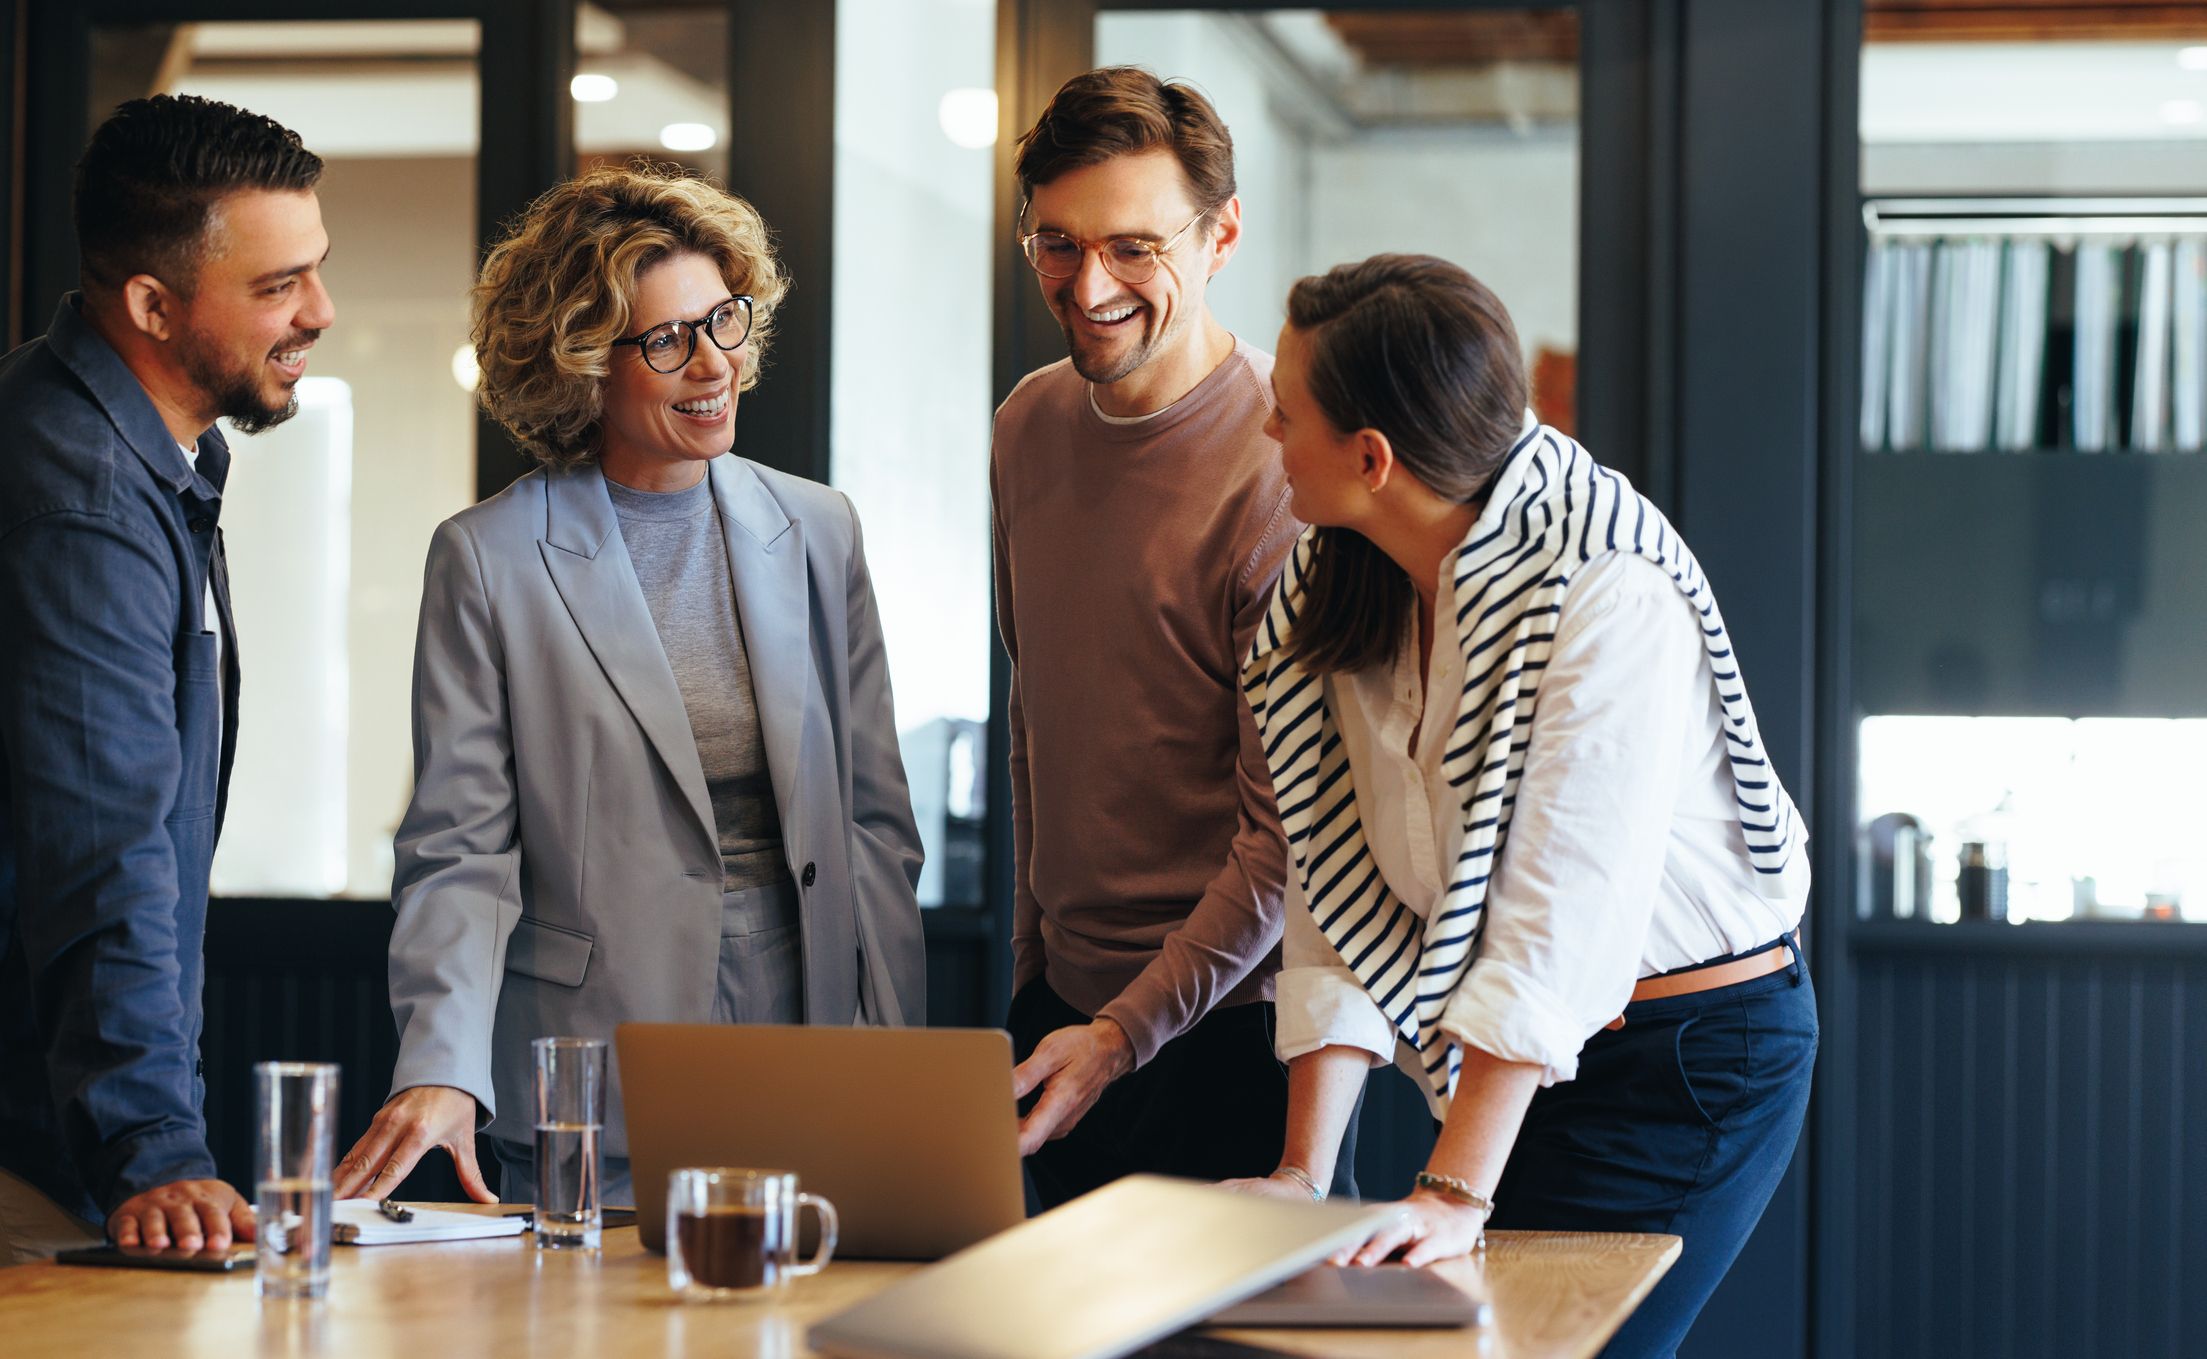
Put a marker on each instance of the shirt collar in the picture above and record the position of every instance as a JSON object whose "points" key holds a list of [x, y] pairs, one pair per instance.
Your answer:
{"points": [[119, 393]]}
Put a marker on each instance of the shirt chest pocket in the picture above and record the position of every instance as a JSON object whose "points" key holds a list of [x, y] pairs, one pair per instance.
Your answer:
{"points": [[198, 725]]}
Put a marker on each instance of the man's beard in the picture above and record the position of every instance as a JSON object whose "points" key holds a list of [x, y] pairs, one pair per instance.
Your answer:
{"points": [[1105, 375], [1142, 352], [235, 391]]}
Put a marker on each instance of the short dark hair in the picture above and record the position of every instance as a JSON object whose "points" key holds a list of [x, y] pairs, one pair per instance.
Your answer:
{"points": [[1421, 351], [1123, 111], [148, 183]]}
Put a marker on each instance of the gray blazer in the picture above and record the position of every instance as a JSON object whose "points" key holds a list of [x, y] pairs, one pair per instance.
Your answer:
{"points": [[558, 870]]}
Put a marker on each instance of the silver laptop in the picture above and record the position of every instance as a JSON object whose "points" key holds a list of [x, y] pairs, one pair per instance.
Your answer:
{"points": [[911, 1133], [1352, 1295], [1102, 1276]]}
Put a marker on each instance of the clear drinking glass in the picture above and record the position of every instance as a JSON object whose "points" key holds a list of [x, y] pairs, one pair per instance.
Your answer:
{"points": [[733, 1233], [570, 1122], [297, 1110]]}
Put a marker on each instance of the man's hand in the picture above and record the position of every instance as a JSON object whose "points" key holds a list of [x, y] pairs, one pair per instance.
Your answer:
{"points": [[403, 1132], [1277, 1185], [187, 1214], [1072, 1066]]}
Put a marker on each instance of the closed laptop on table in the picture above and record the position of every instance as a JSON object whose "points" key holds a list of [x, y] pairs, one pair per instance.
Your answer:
{"points": [[1100, 1277], [911, 1133]]}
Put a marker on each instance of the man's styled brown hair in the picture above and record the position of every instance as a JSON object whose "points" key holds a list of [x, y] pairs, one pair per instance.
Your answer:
{"points": [[1421, 351], [1123, 111]]}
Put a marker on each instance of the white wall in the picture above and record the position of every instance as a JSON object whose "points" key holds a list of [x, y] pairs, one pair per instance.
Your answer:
{"points": [[1504, 206], [1941, 169], [402, 256], [1271, 155], [910, 408], [912, 325]]}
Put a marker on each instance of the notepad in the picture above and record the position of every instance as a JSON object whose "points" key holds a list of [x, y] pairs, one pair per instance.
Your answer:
{"points": [[361, 1223]]}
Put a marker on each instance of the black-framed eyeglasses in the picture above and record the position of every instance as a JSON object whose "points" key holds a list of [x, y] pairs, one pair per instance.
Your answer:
{"points": [[1129, 259], [668, 348]]}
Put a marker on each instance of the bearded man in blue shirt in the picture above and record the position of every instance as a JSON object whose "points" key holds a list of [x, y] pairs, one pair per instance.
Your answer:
{"points": [[202, 245]]}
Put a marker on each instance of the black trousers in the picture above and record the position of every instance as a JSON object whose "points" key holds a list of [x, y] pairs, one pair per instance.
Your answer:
{"points": [[1211, 1105]]}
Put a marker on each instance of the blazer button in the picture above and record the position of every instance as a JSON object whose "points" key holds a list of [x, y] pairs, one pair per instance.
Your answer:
{"points": [[201, 523], [808, 875]]}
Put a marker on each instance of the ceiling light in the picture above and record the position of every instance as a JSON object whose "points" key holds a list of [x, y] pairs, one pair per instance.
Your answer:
{"points": [[2182, 111], [969, 117], [687, 137], [2192, 58], [464, 369], [589, 87]]}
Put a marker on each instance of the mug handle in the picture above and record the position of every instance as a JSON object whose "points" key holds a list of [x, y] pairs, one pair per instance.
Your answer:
{"points": [[828, 1227]]}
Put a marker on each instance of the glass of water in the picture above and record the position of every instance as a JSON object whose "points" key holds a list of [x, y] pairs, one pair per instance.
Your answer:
{"points": [[297, 1105], [570, 1119]]}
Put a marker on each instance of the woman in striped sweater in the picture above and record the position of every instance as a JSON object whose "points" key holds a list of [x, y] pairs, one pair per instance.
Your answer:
{"points": [[1542, 861]]}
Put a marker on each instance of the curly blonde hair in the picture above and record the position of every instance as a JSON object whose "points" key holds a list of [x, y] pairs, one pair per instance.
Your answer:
{"points": [[557, 291]]}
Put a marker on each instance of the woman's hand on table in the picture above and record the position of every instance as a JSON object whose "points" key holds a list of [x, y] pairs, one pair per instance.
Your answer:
{"points": [[1430, 1227], [404, 1130]]}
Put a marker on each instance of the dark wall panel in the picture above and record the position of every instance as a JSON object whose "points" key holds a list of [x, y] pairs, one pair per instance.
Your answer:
{"points": [[1749, 189], [2024, 1131]]}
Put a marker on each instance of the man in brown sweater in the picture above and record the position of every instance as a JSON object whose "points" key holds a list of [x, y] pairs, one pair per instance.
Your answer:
{"points": [[1140, 519]]}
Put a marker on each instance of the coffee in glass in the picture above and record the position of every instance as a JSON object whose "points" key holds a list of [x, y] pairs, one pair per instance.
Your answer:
{"points": [[732, 1233]]}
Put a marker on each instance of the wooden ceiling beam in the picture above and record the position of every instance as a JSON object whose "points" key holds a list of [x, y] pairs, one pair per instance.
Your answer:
{"points": [[2032, 21]]}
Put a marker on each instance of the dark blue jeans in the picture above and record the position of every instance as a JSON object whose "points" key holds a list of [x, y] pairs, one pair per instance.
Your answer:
{"points": [[1683, 1121]]}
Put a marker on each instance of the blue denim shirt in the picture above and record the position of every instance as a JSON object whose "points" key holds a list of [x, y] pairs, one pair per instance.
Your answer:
{"points": [[116, 734]]}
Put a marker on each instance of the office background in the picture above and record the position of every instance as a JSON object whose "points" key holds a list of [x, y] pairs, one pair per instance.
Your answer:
{"points": [[1755, 249]]}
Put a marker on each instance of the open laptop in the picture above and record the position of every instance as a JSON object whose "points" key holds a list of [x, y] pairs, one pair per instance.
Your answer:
{"points": [[910, 1133], [1099, 1277]]}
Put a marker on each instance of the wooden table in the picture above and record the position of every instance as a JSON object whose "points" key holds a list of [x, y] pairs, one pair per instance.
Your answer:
{"points": [[1558, 1294]]}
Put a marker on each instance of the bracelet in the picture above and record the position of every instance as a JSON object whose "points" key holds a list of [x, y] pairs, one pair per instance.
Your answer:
{"points": [[1449, 1186], [1302, 1177]]}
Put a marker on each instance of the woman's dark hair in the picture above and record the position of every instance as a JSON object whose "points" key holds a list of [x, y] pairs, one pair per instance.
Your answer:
{"points": [[148, 184], [1413, 347]]}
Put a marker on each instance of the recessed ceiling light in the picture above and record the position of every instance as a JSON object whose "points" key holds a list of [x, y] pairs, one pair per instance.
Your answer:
{"points": [[687, 137], [589, 87], [464, 370], [968, 117], [2182, 111], [2192, 58]]}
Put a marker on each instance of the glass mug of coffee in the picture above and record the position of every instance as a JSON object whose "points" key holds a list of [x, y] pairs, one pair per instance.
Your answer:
{"points": [[732, 1233]]}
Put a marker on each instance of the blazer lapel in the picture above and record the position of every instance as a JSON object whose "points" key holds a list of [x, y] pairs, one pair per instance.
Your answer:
{"points": [[766, 559], [590, 567]]}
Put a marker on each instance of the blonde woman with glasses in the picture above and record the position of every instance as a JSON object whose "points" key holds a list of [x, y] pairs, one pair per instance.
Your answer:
{"points": [[658, 775]]}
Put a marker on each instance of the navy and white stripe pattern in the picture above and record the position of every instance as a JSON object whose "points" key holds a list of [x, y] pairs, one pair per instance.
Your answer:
{"points": [[1554, 508]]}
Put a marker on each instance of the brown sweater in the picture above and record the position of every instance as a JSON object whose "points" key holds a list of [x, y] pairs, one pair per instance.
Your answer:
{"points": [[1133, 564]]}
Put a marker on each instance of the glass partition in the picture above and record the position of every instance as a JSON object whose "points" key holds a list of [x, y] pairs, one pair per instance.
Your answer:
{"points": [[1451, 133], [327, 517], [652, 81], [915, 127], [2029, 592]]}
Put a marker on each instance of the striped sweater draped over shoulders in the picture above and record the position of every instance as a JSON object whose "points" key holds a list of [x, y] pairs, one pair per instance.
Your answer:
{"points": [[1552, 509]]}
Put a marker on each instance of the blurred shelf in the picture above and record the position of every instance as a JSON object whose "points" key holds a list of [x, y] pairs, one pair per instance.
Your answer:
{"points": [[2037, 938], [2110, 455], [2049, 584]]}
